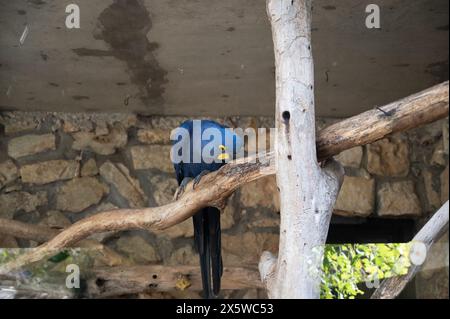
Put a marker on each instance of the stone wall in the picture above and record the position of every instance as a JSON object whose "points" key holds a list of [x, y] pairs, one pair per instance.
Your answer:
{"points": [[58, 168]]}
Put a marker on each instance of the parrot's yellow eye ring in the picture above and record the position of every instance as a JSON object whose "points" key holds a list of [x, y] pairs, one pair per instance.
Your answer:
{"points": [[222, 147]]}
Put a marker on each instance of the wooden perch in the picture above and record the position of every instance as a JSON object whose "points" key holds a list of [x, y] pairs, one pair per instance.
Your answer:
{"points": [[217, 186], [109, 282], [214, 189], [416, 110], [116, 281], [390, 288]]}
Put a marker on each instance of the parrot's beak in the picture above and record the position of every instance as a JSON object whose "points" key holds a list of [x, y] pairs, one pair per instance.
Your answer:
{"points": [[223, 156]]}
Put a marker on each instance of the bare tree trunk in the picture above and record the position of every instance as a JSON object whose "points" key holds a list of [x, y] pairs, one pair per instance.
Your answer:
{"points": [[390, 288], [307, 191]]}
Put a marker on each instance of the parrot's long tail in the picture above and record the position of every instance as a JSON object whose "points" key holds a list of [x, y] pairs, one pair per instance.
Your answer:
{"points": [[208, 242]]}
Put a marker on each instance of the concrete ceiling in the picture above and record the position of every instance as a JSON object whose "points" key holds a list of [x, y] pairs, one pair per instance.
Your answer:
{"points": [[211, 57]]}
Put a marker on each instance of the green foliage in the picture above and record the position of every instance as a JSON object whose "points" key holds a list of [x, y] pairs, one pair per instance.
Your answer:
{"points": [[347, 266]]}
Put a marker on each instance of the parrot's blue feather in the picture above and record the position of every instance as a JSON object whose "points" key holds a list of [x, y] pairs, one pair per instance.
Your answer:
{"points": [[207, 233]]}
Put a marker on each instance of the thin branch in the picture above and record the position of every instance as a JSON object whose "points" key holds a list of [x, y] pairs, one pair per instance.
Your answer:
{"points": [[22, 230], [216, 187], [428, 235]]}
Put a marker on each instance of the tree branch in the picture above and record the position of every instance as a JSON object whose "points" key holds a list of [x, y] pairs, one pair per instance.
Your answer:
{"points": [[217, 186], [213, 190], [390, 288], [116, 281], [18, 229], [107, 282], [418, 109]]}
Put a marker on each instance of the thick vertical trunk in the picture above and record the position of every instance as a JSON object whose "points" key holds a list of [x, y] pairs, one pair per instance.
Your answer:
{"points": [[307, 191]]}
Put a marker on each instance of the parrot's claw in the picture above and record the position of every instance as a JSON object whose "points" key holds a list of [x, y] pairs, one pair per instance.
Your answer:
{"points": [[182, 187], [198, 178]]}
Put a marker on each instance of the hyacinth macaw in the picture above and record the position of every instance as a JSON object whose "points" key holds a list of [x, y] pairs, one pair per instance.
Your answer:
{"points": [[205, 147]]}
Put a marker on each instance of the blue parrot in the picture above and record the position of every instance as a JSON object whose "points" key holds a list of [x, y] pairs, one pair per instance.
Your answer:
{"points": [[200, 147]]}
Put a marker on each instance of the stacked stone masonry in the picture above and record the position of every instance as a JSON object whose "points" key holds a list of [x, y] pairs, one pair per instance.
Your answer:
{"points": [[58, 168]]}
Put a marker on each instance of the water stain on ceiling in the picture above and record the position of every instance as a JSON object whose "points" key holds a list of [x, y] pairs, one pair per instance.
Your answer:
{"points": [[124, 26], [210, 57]]}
